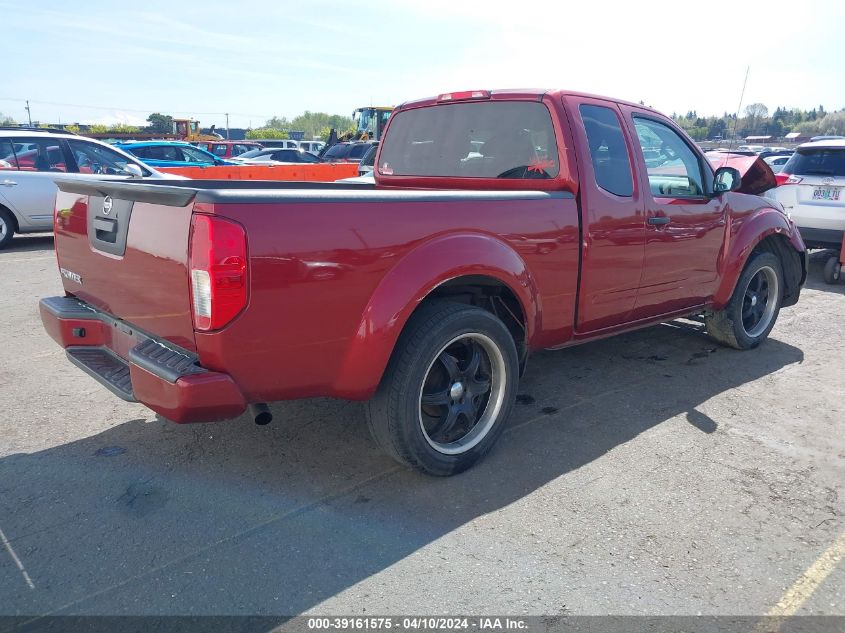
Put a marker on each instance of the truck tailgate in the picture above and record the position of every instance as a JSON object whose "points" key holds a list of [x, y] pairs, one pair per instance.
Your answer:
{"points": [[124, 250]]}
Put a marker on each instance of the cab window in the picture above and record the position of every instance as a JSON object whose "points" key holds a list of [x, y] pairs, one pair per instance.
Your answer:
{"points": [[673, 168], [608, 150]]}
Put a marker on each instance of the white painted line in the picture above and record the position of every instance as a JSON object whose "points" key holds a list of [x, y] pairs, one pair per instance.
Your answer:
{"points": [[16, 559]]}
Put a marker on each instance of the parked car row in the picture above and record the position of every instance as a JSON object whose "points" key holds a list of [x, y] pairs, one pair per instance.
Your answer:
{"points": [[30, 159]]}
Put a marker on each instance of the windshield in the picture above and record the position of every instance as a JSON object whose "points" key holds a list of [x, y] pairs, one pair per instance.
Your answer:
{"points": [[505, 139]]}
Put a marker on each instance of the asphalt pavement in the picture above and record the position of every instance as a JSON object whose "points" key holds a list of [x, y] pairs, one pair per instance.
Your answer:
{"points": [[651, 473]]}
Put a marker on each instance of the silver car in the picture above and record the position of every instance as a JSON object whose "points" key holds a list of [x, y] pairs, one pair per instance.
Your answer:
{"points": [[31, 158]]}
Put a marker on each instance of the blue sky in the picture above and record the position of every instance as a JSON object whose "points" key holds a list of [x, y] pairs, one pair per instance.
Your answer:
{"points": [[117, 61]]}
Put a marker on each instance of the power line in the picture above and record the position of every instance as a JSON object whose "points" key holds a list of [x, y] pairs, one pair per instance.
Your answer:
{"points": [[139, 110]]}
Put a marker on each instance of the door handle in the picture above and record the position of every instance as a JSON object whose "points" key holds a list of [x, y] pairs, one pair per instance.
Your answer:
{"points": [[9, 183], [659, 220]]}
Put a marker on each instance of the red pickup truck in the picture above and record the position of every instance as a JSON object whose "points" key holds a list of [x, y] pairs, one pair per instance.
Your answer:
{"points": [[500, 223]]}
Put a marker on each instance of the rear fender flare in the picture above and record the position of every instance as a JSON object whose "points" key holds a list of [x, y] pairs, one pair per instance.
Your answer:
{"points": [[409, 282], [763, 223]]}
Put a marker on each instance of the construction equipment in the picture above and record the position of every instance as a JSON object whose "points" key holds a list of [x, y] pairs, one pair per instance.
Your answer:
{"points": [[189, 130], [370, 122]]}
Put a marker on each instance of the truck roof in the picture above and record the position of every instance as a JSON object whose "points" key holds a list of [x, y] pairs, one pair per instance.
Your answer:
{"points": [[522, 93]]}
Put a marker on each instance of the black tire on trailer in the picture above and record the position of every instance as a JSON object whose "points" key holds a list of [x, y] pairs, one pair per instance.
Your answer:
{"points": [[832, 270], [750, 315], [447, 390], [7, 228]]}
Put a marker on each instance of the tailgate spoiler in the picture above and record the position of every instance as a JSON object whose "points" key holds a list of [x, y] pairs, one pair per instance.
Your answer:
{"points": [[137, 191]]}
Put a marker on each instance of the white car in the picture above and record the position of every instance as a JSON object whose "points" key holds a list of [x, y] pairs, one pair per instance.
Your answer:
{"points": [[31, 158], [275, 155], [777, 162], [813, 193], [312, 147]]}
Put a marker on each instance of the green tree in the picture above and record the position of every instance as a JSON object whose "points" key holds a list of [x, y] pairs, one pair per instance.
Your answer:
{"points": [[267, 132], [755, 113], [5, 119], [160, 123], [98, 129], [73, 129], [123, 128]]}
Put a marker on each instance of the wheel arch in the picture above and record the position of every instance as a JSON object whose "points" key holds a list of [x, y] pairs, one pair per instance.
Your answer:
{"points": [[767, 230], [478, 269], [15, 226]]}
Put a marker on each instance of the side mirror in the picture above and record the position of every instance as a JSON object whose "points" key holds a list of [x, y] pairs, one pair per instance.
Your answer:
{"points": [[727, 179], [133, 170]]}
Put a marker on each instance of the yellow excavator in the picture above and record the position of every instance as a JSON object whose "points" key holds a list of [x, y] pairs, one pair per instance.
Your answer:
{"points": [[370, 122], [189, 130]]}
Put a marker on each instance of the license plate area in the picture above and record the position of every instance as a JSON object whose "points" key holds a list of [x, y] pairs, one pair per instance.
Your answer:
{"points": [[827, 193]]}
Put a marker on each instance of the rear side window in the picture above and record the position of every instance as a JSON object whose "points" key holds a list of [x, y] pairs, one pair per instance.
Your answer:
{"points": [[7, 155], [491, 139], [219, 150], [40, 155], [608, 151], [817, 161]]}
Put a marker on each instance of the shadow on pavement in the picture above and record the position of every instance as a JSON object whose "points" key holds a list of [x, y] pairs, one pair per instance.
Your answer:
{"points": [[30, 242], [149, 517], [815, 277]]}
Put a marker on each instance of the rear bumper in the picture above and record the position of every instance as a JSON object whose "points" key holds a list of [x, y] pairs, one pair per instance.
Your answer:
{"points": [[139, 367]]}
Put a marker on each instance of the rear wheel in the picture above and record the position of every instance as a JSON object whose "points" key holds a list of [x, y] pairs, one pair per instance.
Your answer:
{"points": [[832, 270], [754, 306], [7, 228], [448, 389]]}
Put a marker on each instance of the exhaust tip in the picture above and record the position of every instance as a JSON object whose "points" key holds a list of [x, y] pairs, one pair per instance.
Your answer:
{"points": [[261, 413]]}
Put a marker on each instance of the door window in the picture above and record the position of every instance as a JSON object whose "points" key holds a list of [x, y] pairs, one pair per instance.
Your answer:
{"points": [[673, 168], [7, 156], [218, 149], [195, 156], [41, 155], [608, 151], [94, 159]]}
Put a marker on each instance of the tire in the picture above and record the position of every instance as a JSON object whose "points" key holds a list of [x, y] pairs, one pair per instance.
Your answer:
{"points": [[7, 228], [747, 319], [832, 270], [463, 361]]}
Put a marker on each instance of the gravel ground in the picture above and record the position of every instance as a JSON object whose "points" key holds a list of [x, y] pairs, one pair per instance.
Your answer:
{"points": [[652, 473]]}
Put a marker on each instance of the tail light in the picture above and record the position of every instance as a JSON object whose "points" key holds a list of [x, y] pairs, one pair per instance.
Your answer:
{"points": [[218, 264], [787, 179], [467, 94]]}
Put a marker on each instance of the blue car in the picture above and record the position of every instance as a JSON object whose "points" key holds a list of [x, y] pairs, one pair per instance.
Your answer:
{"points": [[171, 154]]}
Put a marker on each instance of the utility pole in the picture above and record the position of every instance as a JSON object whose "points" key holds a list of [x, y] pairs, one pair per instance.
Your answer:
{"points": [[227, 126], [28, 113]]}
